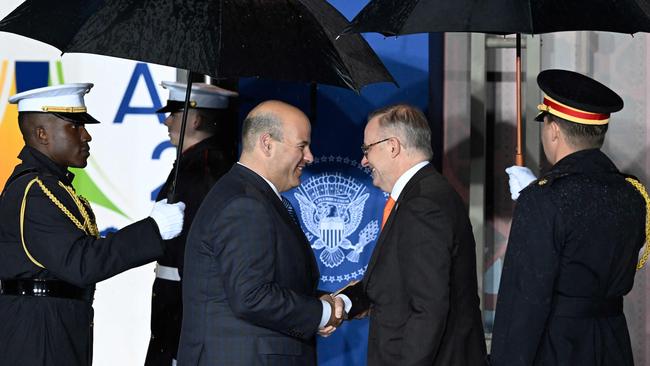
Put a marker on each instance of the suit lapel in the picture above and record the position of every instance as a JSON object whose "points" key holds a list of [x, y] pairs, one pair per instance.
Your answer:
{"points": [[385, 232], [265, 189], [309, 253], [261, 185]]}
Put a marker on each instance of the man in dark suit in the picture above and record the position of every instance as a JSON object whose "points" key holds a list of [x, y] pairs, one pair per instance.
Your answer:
{"points": [[250, 278], [208, 153], [574, 241], [420, 288]]}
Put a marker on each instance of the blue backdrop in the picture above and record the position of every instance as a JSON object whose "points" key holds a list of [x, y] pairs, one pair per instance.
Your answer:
{"points": [[339, 208]]}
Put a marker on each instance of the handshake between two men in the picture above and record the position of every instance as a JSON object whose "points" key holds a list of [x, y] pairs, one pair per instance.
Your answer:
{"points": [[340, 307], [250, 280]]}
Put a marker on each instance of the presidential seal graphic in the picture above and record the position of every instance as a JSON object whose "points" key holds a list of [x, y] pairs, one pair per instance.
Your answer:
{"points": [[338, 208]]}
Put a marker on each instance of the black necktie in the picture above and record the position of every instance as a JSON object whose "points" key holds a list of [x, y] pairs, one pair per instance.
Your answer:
{"points": [[290, 210]]}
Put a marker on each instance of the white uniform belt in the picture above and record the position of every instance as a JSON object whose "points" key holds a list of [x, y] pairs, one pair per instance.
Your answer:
{"points": [[167, 273]]}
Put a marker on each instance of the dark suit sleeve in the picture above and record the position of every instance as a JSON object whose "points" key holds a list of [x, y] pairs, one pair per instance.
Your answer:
{"points": [[246, 242], [67, 252], [425, 261], [526, 288], [357, 296]]}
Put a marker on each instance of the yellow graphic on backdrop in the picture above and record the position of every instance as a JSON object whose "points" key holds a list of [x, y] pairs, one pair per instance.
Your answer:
{"points": [[11, 141]]}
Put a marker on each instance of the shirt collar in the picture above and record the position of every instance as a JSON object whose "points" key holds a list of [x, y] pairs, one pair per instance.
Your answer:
{"points": [[277, 193], [405, 178]]}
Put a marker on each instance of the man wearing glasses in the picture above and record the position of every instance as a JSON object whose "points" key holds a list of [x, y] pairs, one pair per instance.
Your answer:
{"points": [[420, 288]]}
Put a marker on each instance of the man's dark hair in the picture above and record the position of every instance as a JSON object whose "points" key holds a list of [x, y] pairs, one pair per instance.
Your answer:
{"points": [[221, 125], [213, 120], [26, 126], [580, 135]]}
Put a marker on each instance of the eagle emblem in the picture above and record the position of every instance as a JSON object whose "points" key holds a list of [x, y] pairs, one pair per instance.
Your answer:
{"points": [[331, 208]]}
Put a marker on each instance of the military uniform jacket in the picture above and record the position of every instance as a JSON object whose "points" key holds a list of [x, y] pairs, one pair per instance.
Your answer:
{"points": [[250, 278], [201, 165], [43, 331], [572, 254]]}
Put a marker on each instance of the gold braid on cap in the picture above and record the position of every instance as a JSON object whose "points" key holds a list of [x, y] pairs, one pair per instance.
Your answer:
{"points": [[639, 187], [89, 225], [55, 109]]}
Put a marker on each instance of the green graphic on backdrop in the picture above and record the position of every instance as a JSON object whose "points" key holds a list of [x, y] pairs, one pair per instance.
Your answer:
{"points": [[85, 186]]}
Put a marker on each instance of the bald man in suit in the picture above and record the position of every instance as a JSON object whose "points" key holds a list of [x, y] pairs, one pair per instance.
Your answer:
{"points": [[249, 290]]}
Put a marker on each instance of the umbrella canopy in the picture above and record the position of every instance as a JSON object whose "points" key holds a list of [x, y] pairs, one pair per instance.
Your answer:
{"points": [[291, 40], [392, 17]]}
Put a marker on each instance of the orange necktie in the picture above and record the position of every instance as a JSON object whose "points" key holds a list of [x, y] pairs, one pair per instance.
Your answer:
{"points": [[387, 209]]}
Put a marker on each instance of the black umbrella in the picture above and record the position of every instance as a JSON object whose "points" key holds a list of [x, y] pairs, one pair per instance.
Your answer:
{"points": [[291, 40], [394, 17]]}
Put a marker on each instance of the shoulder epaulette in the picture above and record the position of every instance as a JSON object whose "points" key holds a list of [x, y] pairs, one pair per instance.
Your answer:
{"points": [[548, 179], [14, 178], [20, 174]]}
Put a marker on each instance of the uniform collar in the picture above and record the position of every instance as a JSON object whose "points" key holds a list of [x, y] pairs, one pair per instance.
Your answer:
{"points": [[34, 158], [584, 161]]}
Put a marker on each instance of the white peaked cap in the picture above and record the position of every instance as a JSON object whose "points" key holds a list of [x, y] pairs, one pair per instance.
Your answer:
{"points": [[65, 98], [202, 96]]}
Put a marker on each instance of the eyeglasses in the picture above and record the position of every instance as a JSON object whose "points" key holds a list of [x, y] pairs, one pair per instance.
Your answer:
{"points": [[365, 148]]}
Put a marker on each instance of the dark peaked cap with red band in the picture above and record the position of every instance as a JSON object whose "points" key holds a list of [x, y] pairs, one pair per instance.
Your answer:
{"points": [[576, 98]]}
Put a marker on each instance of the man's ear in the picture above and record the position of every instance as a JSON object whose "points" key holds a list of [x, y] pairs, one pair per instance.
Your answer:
{"points": [[395, 147], [196, 119], [41, 136], [266, 143], [556, 131]]}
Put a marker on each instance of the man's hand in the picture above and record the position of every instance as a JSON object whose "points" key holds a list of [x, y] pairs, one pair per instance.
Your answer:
{"points": [[338, 312], [519, 178], [169, 218], [327, 331]]}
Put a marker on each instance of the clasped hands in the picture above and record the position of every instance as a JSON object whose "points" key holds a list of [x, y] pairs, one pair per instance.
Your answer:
{"points": [[336, 315]]}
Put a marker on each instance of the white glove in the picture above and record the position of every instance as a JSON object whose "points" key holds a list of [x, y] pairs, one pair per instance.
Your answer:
{"points": [[169, 218], [520, 178]]}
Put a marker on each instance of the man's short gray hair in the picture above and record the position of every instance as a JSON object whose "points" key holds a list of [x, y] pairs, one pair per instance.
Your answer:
{"points": [[409, 123], [257, 124]]}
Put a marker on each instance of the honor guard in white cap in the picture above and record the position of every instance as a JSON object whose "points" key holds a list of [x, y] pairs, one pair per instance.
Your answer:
{"points": [[207, 108], [573, 248], [202, 96], [64, 101], [209, 150], [52, 253]]}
